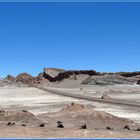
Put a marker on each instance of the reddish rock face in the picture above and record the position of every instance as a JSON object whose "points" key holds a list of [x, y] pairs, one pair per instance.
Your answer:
{"points": [[25, 78], [10, 78]]}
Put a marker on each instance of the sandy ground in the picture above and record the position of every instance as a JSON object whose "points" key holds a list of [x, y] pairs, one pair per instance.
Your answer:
{"points": [[125, 92], [31, 99], [38, 102], [28, 132]]}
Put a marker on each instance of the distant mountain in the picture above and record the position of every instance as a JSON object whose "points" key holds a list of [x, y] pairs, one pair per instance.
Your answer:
{"points": [[94, 78]]}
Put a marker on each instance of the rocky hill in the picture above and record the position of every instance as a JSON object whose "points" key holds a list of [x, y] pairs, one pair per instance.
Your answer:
{"points": [[53, 74], [95, 78], [76, 115], [19, 118], [109, 80], [10, 77]]}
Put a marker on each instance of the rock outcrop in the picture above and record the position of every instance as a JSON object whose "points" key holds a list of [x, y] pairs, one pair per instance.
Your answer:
{"points": [[73, 107], [76, 115], [95, 78], [138, 82], [25, 78], [105, 96], [129, 74], [108, 79], [10, 77], [53, 74]]}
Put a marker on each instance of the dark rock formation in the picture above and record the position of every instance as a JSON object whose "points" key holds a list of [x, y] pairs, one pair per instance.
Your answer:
{"points": [[105, 96], [127, 127], [39, 78], [11, 123], [83, 126], [24, 111], [41, 125], [129, 74], [108, 79], [10, 77], [138, 129], [138, 82], [109, 128], [60, 125], [53, 74], [23, 124]]}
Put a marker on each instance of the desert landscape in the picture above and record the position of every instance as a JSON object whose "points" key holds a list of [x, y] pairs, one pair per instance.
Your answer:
{"points": [[62, 103], [69, 69]]}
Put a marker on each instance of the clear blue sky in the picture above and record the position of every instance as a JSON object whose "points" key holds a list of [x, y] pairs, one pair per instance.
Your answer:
{"points": [[99, 36]]}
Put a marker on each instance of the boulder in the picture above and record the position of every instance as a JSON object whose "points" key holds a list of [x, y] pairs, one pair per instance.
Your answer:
{"points": [[127, 127], [42, 125], [83, 126], [60, 125], [138, 82], [105, 96]]}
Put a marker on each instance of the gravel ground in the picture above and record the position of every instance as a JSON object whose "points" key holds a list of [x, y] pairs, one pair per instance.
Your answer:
{"points": [[28, 132], [125, 92], [31, 99], [38, 102]]}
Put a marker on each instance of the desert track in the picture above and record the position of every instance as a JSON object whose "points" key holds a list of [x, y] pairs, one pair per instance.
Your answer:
{"points": [[87, 98]]}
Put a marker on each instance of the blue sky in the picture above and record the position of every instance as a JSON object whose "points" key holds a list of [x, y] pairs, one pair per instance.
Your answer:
{"points": [[99, 36]]}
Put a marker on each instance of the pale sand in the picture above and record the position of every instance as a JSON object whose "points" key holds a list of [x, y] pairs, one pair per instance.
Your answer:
{"points": [[28, 132]]}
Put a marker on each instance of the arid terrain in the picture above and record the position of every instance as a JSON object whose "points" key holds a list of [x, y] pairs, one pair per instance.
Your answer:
{"points": [[70, 104]]}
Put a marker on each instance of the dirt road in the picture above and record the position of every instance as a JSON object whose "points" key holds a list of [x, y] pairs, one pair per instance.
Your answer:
{"points": [[88, 98]]}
